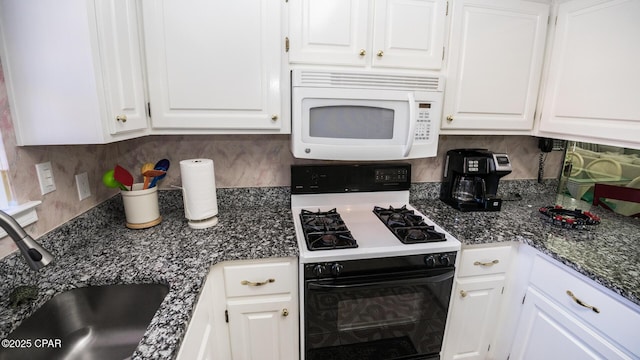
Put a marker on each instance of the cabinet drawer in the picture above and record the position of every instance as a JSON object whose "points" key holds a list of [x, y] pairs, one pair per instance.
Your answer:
{"points": [[260, 278], [614, 319], [484, 261]]}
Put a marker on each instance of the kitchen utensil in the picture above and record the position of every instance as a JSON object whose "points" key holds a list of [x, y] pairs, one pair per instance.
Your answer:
{"points": [[154, 173], [109, 181], [123, 176], [160, 165], [143, 169]]}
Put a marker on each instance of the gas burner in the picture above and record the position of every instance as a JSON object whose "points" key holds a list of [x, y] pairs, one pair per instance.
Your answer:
{"points": [[407, 226], [325, 230], [570, 219]]}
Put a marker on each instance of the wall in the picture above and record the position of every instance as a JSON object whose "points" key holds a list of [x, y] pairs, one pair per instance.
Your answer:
{"points": [[240, 161]]}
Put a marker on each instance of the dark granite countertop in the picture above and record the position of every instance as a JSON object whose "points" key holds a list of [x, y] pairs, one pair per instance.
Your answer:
{"points": [[97, 249], [609, 254]]}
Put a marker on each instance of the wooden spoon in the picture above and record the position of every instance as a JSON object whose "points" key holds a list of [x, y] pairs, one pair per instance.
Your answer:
{"points": [[146, 167], [149, 174]]}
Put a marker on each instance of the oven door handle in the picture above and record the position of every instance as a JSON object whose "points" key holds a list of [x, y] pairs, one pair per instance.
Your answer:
{"points": [[409, 281]]}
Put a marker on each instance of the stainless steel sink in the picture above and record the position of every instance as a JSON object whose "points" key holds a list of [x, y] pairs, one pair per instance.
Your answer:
{"points": [[96, 322]]}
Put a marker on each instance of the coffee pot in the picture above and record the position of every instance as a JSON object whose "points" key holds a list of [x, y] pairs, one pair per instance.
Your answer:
{"points": [[469, 189], [470, 180]]}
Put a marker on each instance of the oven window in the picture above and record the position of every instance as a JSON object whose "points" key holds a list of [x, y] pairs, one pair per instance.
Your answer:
{"points": [[402, 318], [351, 122]]}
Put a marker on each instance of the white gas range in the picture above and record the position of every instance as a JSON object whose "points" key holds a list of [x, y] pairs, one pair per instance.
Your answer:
{"points": [[373, 238], [375, 274]]}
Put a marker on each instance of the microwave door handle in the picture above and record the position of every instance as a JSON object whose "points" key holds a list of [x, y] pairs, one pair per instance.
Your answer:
{"points": [[412, 125]]}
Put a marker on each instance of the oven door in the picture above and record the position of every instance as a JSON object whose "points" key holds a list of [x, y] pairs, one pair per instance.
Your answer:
{"points": [[400, 315]]}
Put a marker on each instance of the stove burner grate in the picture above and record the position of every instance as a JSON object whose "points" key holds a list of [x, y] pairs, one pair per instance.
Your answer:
{"points": [[407, 226], [570, 219], [325, 230]]}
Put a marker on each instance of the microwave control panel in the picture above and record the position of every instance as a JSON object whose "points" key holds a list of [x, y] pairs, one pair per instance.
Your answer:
{"points": [[423, 124]]}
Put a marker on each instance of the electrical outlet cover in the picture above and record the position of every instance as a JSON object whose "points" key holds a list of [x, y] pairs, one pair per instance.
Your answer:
{"points": [[45, 177], [82, 183]]}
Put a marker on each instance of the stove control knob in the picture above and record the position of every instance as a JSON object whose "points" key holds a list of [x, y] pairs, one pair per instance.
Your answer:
{"points": [[445, 260], [430, 261], [318, 270], [336, 269]]}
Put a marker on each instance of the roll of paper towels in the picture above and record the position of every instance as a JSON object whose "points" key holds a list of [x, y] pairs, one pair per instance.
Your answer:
{"points": [[199, 192]]}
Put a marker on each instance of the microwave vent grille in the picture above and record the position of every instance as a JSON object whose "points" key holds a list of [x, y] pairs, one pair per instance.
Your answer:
{"points": [[370, 81]]}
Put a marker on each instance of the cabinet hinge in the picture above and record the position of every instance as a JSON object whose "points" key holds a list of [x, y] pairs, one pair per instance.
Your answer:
{"points": [[447, 12], [149, 110], [286, 44], [226, 316]]}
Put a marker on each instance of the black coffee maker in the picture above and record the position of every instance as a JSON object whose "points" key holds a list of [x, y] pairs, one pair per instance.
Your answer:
{"points": [[471, 177]]}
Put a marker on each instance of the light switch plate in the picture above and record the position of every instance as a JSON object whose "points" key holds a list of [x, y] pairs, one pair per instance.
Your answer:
{"points": [[82, 183], [45, 177]]}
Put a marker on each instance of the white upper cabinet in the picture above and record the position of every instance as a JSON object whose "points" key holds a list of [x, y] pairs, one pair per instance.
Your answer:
{"points": [[73, 70], [593, 82], [215, 66], [399, 34], [495, 61]]}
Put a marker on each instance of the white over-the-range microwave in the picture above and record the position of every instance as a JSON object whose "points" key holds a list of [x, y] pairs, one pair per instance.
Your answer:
{"points": [[361, 116]]}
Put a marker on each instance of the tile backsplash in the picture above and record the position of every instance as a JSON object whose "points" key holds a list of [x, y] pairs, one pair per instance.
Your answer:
{"points": [[240, 161]]}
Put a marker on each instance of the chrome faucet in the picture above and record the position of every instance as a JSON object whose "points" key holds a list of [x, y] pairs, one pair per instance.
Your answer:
{"points": [[34, 254]]}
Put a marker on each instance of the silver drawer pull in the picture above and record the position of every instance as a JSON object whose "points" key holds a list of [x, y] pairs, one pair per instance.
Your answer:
{"points": [[478, 263], [582, 303], [251, 283]]}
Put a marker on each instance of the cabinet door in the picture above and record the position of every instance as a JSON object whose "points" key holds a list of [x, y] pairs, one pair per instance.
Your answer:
{"points": [[408, 33], [546, 331], [64, 61], [594, 78], [120, 55], [329, 32], [495, 61], [198, 342], [474, 311], [263, 328], [214, 65]]}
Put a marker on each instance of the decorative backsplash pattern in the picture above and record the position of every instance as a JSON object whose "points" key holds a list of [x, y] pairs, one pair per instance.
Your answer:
{"points": [[240, 161]]}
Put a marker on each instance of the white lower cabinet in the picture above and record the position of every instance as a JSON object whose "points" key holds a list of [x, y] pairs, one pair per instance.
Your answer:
{"points": [[248, 310], [476, 299], [547, 331], [261, 328], [199, 340], [567, 316]]}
